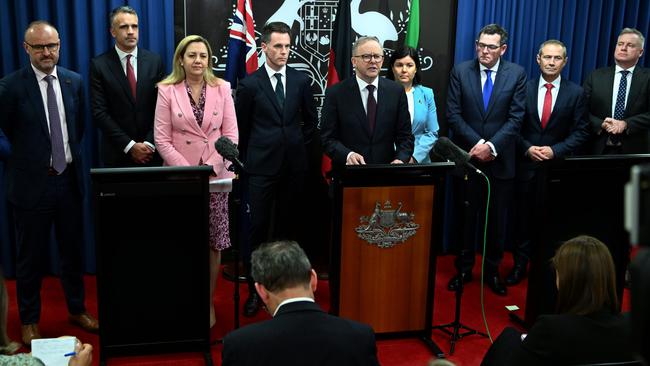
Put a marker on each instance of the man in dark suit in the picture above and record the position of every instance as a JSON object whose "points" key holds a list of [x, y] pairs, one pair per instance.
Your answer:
{"points": [[365, 119], [123, 95], [276, 116], [554, 126], [300, 333], [618, 100], [42, 114], [485, 106]]}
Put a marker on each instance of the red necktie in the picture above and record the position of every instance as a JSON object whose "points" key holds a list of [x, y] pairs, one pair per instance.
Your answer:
{"points": [[548, 101], [130, 75]]}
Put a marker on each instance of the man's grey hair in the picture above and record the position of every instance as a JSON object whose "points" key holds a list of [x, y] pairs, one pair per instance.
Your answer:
{"points": [[280, 265], [362, 40], [554, 42], [633, 31], [120, 9]]}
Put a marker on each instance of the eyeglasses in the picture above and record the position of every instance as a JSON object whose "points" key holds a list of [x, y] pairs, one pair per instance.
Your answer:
{"points": [[373, 57], [491, 47], [52, 47]]}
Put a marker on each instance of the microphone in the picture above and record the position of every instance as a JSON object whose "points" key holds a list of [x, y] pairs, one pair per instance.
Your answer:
{"points": [[446, 149], [229, 151]]}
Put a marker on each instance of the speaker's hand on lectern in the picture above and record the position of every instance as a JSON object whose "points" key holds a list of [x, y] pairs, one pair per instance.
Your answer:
{"points": [[355, 159]]}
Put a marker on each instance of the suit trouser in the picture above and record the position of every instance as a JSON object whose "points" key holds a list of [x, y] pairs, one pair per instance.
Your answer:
{"points": [[60, 205], [275, 206], [499, 225], [525, 218]]}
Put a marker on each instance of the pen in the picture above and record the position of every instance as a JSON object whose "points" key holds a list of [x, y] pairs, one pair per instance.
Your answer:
{"points": [[70, 354]]}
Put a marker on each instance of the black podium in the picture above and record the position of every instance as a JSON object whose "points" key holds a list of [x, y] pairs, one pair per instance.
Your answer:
{"points": [[387, 219], [152, 260], [578, 195]]}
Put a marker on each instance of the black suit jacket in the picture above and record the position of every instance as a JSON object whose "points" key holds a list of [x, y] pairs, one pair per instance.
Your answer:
{"points": [[500, 124], [120, 117], [5, 146], [565, 132], [599, 88], [25, 124], [569, 339], [271, 135], [301, 334], [345, 127]]}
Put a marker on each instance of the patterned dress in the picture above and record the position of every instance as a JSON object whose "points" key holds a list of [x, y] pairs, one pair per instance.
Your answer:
{"points": [[219, 228]]}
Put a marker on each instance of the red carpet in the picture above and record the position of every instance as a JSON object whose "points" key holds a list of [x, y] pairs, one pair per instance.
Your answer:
{"points": [[469, 351]]}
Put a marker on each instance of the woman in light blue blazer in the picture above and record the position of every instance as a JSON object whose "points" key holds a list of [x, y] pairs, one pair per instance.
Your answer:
{"points": [[405, 69]]}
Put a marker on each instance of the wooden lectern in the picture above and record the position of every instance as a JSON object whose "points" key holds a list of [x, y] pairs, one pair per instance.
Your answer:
{"points": [[152, 260], [387, 219]]}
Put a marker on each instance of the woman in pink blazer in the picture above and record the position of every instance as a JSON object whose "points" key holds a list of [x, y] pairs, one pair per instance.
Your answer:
{"points": [[193, 110]]}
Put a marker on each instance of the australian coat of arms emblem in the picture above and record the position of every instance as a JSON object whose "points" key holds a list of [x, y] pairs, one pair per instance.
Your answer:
{"points": [[387, 227]]}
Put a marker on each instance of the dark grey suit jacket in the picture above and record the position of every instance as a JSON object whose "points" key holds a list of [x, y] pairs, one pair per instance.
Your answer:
{"points": [[301, 334], [500, 124], [120, 117], [345, 127], [25, 124], [599, 88]]}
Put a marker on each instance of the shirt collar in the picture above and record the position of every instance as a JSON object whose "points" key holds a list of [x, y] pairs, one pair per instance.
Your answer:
{"points": [[294, 299], [556, 82], [40, 75], [493, 68], [272, 72], [363, 84], [121, 54], [619, 69]]}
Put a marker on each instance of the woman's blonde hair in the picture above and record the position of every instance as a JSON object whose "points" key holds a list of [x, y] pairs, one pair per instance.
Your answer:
{"points": [[178, 72]]}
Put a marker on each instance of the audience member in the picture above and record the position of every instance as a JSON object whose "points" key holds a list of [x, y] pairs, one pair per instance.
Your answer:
{"points": [[554, 126], [300, 333], [42, 114], [359, 127], [488, 128], [618, 100], [83, 355], [276, 116], [193, 110], [123, 94], [588, 327], [405, 68]]}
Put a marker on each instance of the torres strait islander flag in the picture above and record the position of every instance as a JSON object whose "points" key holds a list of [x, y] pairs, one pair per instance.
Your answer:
{"points": [[340, 66], [242, 50]]}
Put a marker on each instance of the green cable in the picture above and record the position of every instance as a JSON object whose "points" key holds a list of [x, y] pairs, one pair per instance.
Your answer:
{"points": [[487, 210]]}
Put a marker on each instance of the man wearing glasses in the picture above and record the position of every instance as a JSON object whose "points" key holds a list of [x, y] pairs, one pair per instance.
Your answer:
{"points": [[485, 107], [365, 119], [42, 109]]}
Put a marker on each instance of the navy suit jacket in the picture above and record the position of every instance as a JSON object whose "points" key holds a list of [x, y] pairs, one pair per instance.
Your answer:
{"points": [[5, 146], [565, 132], [25, 124], [501, 122], [120, 117], [599, 88], [345, 127], [301, 334], [270, 134]]}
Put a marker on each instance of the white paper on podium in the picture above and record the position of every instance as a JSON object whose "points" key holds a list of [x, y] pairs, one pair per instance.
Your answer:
{"points": [[52, 351], [221, 185]]}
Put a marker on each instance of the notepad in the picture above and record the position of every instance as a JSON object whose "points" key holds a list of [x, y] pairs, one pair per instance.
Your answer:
{"points": [[51, 351]]}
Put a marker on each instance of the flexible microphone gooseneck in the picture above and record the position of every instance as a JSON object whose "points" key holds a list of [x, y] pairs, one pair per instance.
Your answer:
{"points": [[450, 151]]}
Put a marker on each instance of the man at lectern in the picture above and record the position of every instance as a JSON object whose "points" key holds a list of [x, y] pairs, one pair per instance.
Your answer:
{"points": [[300, 333], [365, 119], [618, 100]]}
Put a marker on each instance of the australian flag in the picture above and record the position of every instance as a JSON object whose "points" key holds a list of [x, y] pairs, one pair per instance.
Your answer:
{"points": [[242, 50]]}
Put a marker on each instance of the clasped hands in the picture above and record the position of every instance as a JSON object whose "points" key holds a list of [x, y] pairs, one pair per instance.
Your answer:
{"points": [[141, 153], [540, 153], [482, 153], [613, 126]]}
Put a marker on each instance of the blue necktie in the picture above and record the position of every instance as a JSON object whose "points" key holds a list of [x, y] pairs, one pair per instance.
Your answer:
{"points": [[487, 89], [56, 134]]}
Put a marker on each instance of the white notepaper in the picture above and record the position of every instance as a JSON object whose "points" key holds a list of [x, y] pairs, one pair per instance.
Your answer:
{"points": [[52, 351]]}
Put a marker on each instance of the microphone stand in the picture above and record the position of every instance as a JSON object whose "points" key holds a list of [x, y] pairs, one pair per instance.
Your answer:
{"points": [[454, 328], [236, 188]]}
